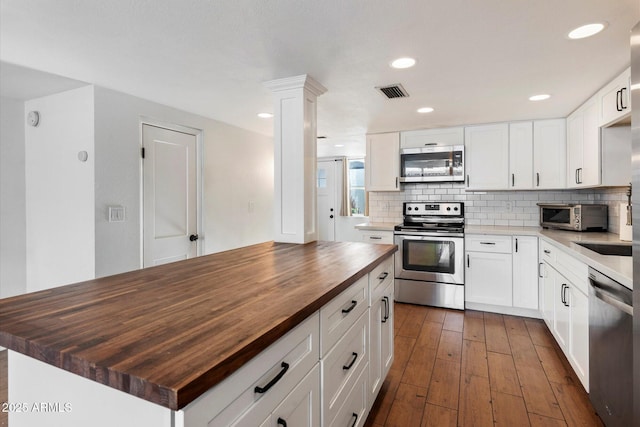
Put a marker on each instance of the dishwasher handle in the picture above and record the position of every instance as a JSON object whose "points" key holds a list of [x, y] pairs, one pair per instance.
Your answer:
{"points": [[611, 300]]}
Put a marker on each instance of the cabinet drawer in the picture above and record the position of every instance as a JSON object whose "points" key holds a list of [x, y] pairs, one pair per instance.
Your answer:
{"points": [[343, 365], [377, 237], [574, 270], [354, 410], [548, 252], [236, 398], [381, 277], [340, 313], [488, 243], [422, 138]]}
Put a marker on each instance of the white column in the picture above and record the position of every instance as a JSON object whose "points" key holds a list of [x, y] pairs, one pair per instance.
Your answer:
{"points": [[295, 158]]}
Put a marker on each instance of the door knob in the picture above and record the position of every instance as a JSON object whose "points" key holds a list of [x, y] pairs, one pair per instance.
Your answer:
{"points": [[331, 210], [193, 237], [330, 216]]}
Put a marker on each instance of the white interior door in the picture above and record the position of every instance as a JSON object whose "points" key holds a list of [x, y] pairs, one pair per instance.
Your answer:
{"points": [[170, 228], [326, 193]]}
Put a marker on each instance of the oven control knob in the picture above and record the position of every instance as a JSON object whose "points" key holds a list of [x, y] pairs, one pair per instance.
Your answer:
{"points": [[455, 209], [448, 208]]}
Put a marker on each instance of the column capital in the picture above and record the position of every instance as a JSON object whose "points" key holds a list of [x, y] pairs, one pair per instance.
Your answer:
{"points": [[303, 81]]}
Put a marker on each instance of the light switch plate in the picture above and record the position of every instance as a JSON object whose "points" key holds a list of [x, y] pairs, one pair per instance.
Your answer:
{"points": [[116, 213]]}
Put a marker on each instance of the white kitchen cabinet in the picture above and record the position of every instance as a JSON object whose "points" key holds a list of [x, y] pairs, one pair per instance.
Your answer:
{"points": [[488, 270], [520, 155], [563, 282], [525, 266], [385, 237], [583, 145], [381, 339], [427, 137], [382, 162], [615, 100], [549, 154], [537, 154], [487, 156], [501, 273]]}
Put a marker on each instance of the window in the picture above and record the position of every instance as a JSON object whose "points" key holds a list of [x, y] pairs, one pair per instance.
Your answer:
{"points": [[322, 178], [357, 197]]}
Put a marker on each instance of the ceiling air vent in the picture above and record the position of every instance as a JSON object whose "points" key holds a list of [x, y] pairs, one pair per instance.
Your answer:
{"points": [[393, 91]]}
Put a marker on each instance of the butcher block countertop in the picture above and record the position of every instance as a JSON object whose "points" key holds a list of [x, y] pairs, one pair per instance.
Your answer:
{"points": [[169, 333]]}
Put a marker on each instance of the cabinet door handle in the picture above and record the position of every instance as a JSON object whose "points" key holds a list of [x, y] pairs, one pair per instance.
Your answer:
{"points": [[562, 293], [351, 307], [566, 301], [619, 100], [537, 179], [355, 357], [383, 276], [282, 422], [384, 314], [396, 182], [468, 180], [487, 243], [468, 264], [388, 308], [285, 367], [513, 179], [516, 245], [624, 107], [540, 270], [576, 178], [355, 419]]}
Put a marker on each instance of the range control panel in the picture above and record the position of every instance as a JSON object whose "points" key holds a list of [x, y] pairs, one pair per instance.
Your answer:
{"points": [[434, 209]]}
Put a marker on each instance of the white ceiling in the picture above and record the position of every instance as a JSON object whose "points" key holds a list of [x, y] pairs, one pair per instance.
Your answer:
{"points": [[478, 61]]}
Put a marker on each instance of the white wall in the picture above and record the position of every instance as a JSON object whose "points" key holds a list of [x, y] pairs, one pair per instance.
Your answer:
{"points": [[238, 169], [12, 199], [60, 190]]}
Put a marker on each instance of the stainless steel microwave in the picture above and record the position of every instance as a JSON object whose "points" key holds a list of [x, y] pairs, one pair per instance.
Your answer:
{"points": [[432, 164], [574, 217]]}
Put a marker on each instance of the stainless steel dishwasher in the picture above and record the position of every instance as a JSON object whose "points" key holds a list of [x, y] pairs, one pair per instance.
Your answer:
{"points": [[610, 350]]}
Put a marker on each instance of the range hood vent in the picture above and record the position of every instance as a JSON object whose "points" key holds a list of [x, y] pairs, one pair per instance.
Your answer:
{"points": [[393, 91]]}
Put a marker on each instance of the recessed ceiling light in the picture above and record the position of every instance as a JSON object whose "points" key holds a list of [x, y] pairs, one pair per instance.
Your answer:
{"points": [[424, 110], [339, 145], [265, 115], [540, 97], [403, 63], [587, 30]]}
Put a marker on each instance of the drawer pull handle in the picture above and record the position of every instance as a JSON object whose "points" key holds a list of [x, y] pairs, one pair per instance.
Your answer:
{"points": [[487, 243], [355, 419], [383, 276], [285, 367], [351, 307], [355, 357], [375, 237], [282, 422]]}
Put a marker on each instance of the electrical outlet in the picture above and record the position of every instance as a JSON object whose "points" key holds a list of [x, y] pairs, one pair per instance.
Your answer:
{"points": [[508, 206]]}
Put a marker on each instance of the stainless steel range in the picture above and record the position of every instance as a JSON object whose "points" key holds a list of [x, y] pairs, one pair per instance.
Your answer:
{"points": [[430, 258]]}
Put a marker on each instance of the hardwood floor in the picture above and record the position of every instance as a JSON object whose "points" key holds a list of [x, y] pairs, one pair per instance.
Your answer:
{"points": [[468, 368], [472, 368]]}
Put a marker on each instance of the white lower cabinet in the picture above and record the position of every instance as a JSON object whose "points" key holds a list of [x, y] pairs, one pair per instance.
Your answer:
{"points": [[563, 283], [381, 339], [318, 373], [501, 271]]}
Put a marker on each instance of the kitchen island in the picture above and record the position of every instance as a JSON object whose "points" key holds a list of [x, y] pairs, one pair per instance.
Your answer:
{"points": [[161, 337]]}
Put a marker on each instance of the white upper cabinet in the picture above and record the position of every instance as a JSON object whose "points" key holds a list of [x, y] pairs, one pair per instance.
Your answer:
{"points": [[549, 154], [428, 137], [382, 169], [520, 155], [583, 146], [615, 102], [487, 156]]}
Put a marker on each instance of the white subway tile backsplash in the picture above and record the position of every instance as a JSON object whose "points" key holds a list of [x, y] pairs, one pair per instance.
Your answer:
{"points": [[490, 208]]}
